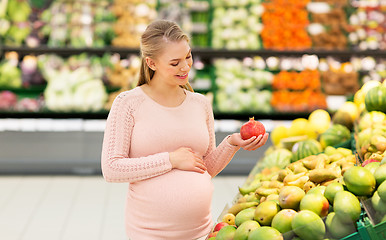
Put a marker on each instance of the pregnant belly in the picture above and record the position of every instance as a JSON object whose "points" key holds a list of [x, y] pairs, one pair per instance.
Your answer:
{"points": [[177, 199]]}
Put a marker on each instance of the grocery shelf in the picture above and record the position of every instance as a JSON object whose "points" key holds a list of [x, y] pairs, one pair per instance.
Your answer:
{"points": [[104, 114], [202, 52], [67, 51]]}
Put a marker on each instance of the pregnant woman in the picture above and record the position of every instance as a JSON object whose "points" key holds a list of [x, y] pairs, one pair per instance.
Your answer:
{"points": [[160, 138]]}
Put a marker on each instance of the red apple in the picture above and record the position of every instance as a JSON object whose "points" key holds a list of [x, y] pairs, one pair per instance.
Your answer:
{"points": [[252, 128], [219, 226]]}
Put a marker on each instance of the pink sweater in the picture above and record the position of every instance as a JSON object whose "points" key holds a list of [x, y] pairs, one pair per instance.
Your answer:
{"points": [[163, 203]]}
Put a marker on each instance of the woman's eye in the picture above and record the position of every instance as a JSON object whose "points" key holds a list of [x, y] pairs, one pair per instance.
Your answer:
{"points": [[174, 64], [188, 56]]}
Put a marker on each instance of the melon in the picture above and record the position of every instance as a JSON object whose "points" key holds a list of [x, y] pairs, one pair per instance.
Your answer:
{"points": [[335, 135], [343, 118], [375, 99], [306, 148]]}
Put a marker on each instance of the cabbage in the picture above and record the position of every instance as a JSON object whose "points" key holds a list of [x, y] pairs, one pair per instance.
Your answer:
{"points": [[76, 90]]}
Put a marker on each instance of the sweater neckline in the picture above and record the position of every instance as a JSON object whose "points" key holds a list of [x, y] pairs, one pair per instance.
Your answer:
{"points": [[162, 106]]}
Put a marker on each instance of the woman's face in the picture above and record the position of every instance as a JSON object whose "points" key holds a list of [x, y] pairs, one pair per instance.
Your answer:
{"points": [[174, 63]]}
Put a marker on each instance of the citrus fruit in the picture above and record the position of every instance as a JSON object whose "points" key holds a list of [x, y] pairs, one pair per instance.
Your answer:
{"points": [[278, 133], [359, 181], [297, 127], [320, 120]]}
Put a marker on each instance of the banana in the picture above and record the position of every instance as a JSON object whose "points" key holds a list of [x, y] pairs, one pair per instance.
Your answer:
{"points": [[236, 208]]}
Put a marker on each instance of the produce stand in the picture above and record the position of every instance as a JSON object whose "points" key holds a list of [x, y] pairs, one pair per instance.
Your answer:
{"points": [[369, 225]]}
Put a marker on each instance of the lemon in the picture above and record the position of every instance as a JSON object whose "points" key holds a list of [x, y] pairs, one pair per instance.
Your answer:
{"points": [[298, 127], [320, 120], [278, 133], [311, 131], [350, 108]]}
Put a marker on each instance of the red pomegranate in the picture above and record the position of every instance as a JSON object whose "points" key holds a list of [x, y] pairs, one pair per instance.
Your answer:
{"points": [[252, 128]]}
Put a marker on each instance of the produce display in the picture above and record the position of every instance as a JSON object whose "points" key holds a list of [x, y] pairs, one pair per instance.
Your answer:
{"points": [[133, 16], [240, 86], [77, 24], [339, 78], [367, 25], [328, 24], [10, 74], [237, 24], [14, 21], [73, 86], [285, 25], [192, 16], [314, 182]]}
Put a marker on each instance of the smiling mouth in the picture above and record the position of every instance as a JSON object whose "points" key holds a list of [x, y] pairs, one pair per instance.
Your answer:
{"points": [[184, 75]]}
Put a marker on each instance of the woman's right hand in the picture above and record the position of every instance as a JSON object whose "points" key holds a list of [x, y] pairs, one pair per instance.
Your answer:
{"points": [[185, 159]]}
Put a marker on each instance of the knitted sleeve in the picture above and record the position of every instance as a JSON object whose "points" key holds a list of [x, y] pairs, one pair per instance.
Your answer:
{"points": [[216, 158], [116, 164]]}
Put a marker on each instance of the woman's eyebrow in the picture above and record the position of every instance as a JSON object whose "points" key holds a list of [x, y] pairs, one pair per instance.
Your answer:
{"points": [[177, 59]]}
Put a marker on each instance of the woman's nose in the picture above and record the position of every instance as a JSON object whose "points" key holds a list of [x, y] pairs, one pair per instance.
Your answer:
{"points": [[186, 66]]}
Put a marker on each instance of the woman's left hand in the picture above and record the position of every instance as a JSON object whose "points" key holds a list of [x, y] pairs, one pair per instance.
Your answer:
{"points": [[250, 144]]}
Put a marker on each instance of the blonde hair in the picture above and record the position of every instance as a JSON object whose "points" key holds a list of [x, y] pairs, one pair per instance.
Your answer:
{"points": [[158, 32]]}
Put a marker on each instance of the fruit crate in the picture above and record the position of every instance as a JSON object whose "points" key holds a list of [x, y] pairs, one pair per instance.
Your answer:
{"points": [[363, 226], [377, 223], [378, 231]]}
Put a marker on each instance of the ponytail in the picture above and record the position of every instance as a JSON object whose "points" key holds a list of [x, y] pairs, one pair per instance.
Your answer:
{"points": [[145, 73]]}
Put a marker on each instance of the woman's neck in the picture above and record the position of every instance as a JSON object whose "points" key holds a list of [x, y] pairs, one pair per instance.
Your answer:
{"points": [[170, 96]]}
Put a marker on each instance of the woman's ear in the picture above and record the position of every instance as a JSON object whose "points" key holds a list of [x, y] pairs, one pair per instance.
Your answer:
{"points": [[150, 63]]}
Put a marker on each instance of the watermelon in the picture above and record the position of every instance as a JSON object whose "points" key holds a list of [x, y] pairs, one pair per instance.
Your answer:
{"points": [[336, 134], [375, 99], [280, 158], [306, 148]]}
